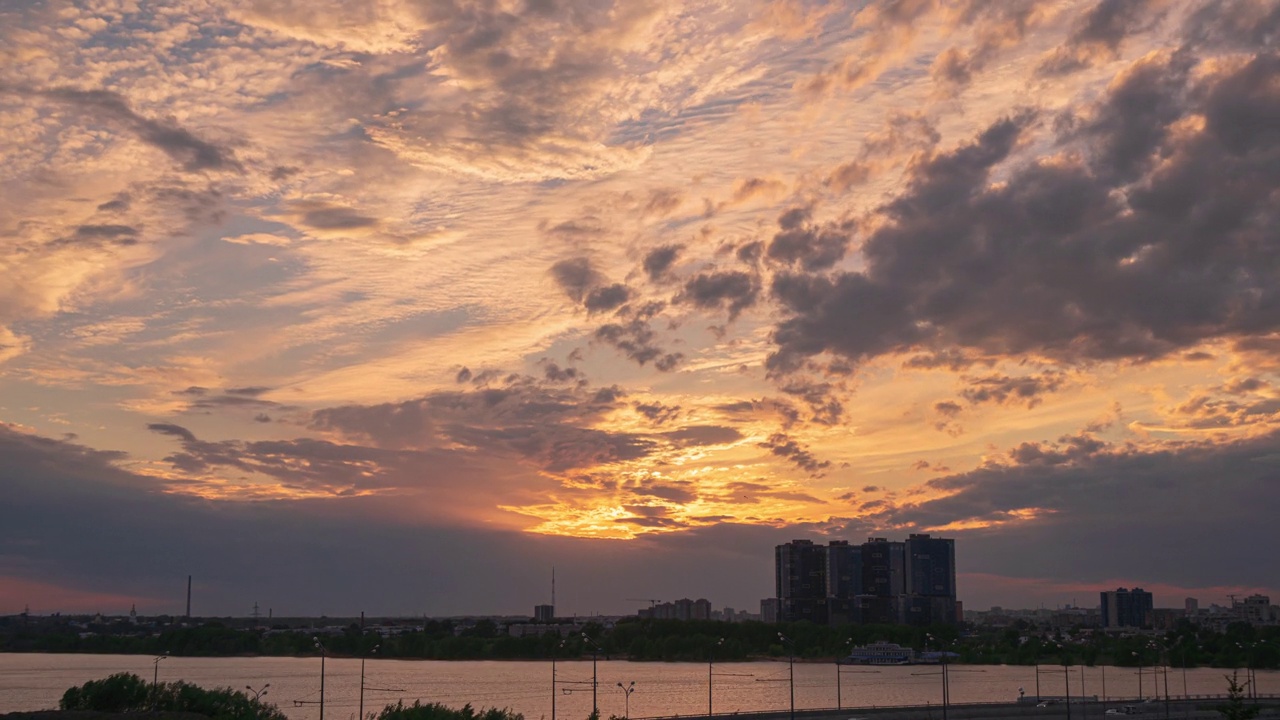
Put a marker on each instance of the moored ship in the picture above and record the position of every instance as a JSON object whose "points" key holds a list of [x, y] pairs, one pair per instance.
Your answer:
{"points": [[881, 653]]}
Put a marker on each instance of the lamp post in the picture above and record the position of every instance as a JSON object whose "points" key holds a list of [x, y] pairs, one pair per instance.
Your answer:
{"points": [[155, 679], [1139, 674], [839, 704], [711, 657], [1084, 701], [554, 652], [791, 667], [1037, 671], [1163, 656], [628, 689], [595, 651], [374, 651], [320, 646], [257, 694], [1066, 680], [1186, 706]]}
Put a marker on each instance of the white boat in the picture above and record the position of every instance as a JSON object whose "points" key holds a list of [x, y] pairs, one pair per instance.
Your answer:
{"points": [[880, 653]]}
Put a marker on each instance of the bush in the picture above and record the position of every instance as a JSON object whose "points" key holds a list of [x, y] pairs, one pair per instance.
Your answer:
{"points": [[122, 692], [436, 711], [125, 692]]}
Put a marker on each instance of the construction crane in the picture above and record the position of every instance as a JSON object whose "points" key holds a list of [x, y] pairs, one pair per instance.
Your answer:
{"points": [[651, 601]]}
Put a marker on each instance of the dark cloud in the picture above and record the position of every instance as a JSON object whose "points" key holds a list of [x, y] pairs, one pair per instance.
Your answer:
{"points": [[120, 203], [947, 408], [606, 298], [73, 518], [576, 277], [659, 260], [811, 247], [336, 218], [785, 447], [554, 373], [696, 435], [1233, 25], [995, 26], [95, 234], [662, 202], [657, 412], [672, 491], [733, 290], [172, 430], [1111, 505], [283, 172], [1098, 33], [1000, 389], [1125, 132], [1072, 260], [177, 142], [638, 341]]}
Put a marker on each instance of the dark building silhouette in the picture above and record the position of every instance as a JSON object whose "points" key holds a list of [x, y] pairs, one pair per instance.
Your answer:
{"points": [[844, 569], [1126, 608], [844, 582], [930, 567], [881, 581], [800, 570]]}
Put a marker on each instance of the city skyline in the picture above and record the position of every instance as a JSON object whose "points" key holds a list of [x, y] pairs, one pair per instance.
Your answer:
{"points": [[393, 305]]}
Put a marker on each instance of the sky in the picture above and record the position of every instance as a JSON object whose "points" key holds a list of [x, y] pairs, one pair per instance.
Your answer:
{"points": [[395, 305]]}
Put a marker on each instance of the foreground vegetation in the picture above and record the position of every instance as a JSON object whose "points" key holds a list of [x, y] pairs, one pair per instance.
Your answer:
{"points": [[126, 692], [669, 640]]}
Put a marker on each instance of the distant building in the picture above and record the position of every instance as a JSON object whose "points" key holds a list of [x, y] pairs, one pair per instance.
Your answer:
{"points": [[701, 609], [769, 610], [883, 582], [1255, 610], [1192, 606], [1126, 608], [844, 582], [544, 613], [800, 575], [844, 570], [929, 570]]}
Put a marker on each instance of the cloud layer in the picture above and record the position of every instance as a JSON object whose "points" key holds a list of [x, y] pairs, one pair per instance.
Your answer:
{"points": [[569, 282]]}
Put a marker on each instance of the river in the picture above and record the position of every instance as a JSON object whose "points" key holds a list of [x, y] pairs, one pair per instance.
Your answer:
{"points": [[36, 681]]}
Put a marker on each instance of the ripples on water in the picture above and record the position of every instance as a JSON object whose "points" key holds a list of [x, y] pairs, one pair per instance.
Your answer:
{"points": [[35, 681]]}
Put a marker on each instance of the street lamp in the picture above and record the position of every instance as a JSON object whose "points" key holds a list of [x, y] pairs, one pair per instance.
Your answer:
{"points": [[320, 646], [839, 704], [554, 653], [711, 657], [155, 679], [595, 651], [257, 694], [1084, 701], [1139, 657], [791, 667], [628, 689], [374, 651]]}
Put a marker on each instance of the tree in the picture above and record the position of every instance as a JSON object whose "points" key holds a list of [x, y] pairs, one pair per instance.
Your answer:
{"points": [[1234, 708], [125, 692]]}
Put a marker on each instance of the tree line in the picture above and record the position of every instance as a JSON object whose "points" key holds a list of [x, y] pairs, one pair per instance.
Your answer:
{"points": [[1241, 645]]}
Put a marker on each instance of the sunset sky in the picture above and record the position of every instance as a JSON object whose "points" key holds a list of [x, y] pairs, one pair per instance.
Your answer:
{"points": [[393, 305]]}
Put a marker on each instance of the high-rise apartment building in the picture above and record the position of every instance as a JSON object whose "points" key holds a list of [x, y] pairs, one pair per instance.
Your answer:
{"points": [[880, 581], [844, 570], [844, 582], [1126, 608], [930, 569], [800, 569]]}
